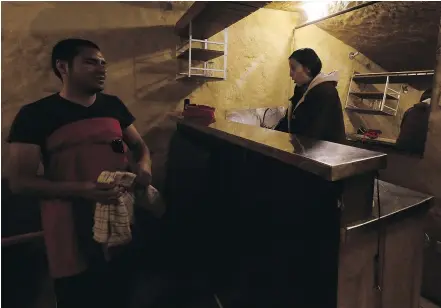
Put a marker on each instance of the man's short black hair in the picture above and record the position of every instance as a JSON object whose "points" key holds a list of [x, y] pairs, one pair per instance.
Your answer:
{"points": [[308, 58], [67, 50]]}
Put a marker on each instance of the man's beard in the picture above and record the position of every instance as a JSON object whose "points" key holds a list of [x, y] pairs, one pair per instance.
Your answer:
{"points": [[94, 91], [91, 90], [87, 89]]}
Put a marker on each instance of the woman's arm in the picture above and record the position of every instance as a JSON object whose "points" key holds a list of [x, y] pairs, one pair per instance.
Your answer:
{"points": [[282, 126]]}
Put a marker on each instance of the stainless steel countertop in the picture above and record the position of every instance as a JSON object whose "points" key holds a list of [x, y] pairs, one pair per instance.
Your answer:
{"points": [[328, 160], [394, 200]]}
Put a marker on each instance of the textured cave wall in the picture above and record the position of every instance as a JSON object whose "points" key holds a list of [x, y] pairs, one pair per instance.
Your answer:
{"points": [[398, 35], [258, 70], [138, 40], [335, 57]]}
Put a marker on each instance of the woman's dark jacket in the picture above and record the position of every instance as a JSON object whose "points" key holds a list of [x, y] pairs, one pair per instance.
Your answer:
{"points": [[320, 115]]}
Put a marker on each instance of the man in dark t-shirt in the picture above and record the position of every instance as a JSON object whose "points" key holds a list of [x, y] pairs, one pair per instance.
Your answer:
{"points": [[77, 133]]}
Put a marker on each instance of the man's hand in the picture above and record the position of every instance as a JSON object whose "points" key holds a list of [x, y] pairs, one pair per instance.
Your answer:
{"points": [[101, 192], [143, 174], [141, 155]]}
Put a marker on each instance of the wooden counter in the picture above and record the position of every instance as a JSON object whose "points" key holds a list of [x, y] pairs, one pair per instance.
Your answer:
{"points": [[262, 215], [397, 237], [330, 161]]}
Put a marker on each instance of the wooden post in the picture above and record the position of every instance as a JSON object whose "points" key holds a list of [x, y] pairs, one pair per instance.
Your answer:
{"points": [[436, 87]]}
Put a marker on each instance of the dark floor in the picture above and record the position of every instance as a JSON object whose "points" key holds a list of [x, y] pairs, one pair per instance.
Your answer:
{"points": [[26, 284], [424, 303]]}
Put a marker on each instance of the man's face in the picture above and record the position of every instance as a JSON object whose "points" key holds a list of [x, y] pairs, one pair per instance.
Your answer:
{"points": [[88, 71]]}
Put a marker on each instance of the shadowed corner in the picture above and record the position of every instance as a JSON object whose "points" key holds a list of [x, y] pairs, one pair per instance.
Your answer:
{"points": [[170, 91], [163, 5], [118, 44], [355, 119], [159, 82], [136, 41], [4, 152]]}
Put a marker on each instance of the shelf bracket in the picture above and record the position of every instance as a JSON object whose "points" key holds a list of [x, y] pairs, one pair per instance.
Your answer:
{"points": [[225, 52], [190, 34], [385, 93], [349, 90]]}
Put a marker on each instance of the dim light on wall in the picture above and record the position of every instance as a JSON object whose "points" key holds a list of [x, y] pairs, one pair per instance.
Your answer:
{"points": [[315, 9]]}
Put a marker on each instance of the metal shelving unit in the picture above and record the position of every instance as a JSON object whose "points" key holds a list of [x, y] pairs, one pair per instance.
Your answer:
{"points": [[372, 95], [186, 51], [384, 103], [388, 101], [395, 77], [200, 22]]}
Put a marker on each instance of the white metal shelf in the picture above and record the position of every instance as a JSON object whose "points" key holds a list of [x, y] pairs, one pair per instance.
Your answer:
{"points": [[187, 51], [199, 54], [385, 103], [195, 76], [385, 112], [394, 77], [372, 95]]}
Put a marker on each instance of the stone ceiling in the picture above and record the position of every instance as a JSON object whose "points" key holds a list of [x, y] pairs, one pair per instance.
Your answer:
{"points": [[294, 6], [398, 36], [297, 6]]}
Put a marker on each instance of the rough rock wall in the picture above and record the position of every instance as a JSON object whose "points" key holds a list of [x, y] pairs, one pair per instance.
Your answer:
{"points": [[138, 40], [398, 35], [335, 56], [258, 69]]}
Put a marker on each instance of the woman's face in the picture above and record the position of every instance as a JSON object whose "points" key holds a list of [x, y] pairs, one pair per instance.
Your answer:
{"points": [[298, 72]]}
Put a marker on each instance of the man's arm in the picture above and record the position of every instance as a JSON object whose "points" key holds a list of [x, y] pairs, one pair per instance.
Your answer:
{"points": [[23, 179], [141, 153], [23, 165], [137, 145]]}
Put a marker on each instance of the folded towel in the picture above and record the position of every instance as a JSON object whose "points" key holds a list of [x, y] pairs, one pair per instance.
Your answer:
{"points": [[112, 221], [112, 226]]}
